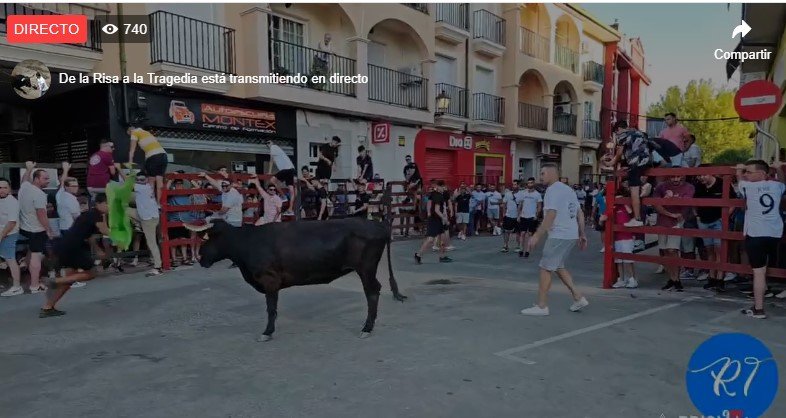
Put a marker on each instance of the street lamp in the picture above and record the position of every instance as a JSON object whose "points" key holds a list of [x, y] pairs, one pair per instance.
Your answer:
{"points": [[443, 102]]}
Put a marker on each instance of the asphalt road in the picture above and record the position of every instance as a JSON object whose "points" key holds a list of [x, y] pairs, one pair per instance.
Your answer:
{"points": [[184, 345]]}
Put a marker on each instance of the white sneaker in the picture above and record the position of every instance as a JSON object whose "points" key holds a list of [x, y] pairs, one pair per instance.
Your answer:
{"points": [[39, 289], [703, 276], [687, 275], [602, 250], [729, 276], [632, 283], [535, 310], [14, 291], [620, 283], [781, 295], [634, 223], [435, 248], [579, 304], [134, 262], [76, 285], [660, 270], [450, 248], [639, 245]]}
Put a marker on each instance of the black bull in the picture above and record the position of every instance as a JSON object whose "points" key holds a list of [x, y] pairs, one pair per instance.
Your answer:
{"points": [[275, 256]]}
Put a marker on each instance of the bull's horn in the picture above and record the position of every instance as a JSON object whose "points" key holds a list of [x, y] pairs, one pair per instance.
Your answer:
{"points": [[197, 228]]}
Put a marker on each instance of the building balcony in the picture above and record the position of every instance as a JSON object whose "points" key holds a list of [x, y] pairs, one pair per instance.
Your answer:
{"points": [[534, 45], [488, 33], [566, 58], [565, 124], [452, 22], [289, 59], [454, 116], [78, 57], [591, 130], [180, 44], [397, 88], [488, 113], [421, 7], [594, 76], [533, 116]]}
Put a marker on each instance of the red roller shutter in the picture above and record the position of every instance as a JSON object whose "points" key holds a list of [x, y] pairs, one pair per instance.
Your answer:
{"points": [[440, 165]]}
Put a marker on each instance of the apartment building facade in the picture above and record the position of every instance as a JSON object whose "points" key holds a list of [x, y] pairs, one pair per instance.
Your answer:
{"points": [[475, 92]]}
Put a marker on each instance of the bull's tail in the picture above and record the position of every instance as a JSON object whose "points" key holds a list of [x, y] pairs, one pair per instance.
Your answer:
{"points": [[387, 203], [393, 285]]}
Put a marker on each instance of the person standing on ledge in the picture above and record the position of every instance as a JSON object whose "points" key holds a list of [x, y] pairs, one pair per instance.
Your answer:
{"points": [[156, 158]]}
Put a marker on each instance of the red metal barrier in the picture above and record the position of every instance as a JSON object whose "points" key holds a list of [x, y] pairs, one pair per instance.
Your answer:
{"points": [[726, 203]]}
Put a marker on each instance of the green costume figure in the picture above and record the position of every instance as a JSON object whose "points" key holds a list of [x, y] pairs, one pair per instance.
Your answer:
{"points": [[118, 197]]}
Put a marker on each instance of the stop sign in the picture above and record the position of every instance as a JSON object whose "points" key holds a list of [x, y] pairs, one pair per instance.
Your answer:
{"points": [[758, 100]]}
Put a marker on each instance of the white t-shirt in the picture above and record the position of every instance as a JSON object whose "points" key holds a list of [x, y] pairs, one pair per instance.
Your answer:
{"points": [[146, 205], [562, 199], [530, 208], [67, 208], [692, 157], [30, 199], [9, 212], [280, 158], [493, 199], [511, 202], [234, 201], [762, 208]]}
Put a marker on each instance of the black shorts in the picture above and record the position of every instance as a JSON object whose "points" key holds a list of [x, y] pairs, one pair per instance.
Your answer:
{"points": [[286, 176], [324, 171], [74, 256], [634, 175], [179, 232], [528, 225], [762, 251], [36, 241], [156, 165], [599, 226], [435, 227], [510, 224]]}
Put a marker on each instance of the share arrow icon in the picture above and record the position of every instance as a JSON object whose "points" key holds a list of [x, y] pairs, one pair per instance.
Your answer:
{"points": [[743, 29]]}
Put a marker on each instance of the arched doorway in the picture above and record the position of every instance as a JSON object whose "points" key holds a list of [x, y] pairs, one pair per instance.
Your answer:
{"points": [[565, 100]]}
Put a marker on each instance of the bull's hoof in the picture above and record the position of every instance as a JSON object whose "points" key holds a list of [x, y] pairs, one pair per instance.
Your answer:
{"points": [[364, 335], [399, 297], [264, 338]]}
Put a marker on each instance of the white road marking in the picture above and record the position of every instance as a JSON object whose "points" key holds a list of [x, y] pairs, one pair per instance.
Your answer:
{"points": [[509, 353]]}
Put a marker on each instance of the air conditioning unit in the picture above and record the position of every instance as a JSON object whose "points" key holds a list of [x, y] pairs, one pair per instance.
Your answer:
{"points": [[562, 109], [413, 70], [587, 158], [544, 147]]}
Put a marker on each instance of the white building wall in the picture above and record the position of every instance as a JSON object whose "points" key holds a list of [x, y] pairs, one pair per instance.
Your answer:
{"points": [[388, 157], [527, 150]]}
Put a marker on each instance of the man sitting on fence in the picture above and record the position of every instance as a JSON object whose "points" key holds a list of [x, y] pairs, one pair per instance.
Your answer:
{"points": [[631, 152]]}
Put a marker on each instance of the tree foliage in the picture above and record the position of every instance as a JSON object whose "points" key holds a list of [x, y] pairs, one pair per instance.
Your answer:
{"points": [[701, 100], [732, 156]]}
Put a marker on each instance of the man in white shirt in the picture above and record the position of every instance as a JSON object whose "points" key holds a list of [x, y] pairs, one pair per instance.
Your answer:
{"points": [[67, 204], [33, 221], [563, 220], [146, 213], [531, 207], [285, 176], [692, 155], [493, 199], [511, 209], [231, 200], [9, 234]]}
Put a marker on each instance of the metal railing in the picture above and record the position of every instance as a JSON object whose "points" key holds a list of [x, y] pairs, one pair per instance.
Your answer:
{"points": [[454, 14], [534, 45], [566, 58], [397, 88], [181, 40], [421, 7], [93, 26], [488, 26], [459, 99], [594, 72], [290, 59], [533, 116], [565, 124], [488, 108], [591, 129]]}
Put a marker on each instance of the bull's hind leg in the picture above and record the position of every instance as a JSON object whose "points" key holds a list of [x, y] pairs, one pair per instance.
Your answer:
{"points": [[272, 312], [371, 287]]}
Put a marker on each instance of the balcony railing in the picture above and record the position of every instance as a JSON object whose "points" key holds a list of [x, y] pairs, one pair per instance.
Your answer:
{"points": [[290, 59], [567, 58], [533, 117], [454, 14], [534, 45], [397, 88], [93, 26], [488, 26], [488, 108], [591, 129], [459, 99], [181, 40], [421, 7], [565, 124], [593, 72]]}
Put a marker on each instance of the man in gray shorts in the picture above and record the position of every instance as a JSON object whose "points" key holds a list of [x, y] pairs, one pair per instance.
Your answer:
{"points": [[563, 220]]}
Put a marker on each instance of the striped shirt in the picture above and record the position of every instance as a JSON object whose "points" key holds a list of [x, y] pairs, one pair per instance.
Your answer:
{"points": [[147, 142]]}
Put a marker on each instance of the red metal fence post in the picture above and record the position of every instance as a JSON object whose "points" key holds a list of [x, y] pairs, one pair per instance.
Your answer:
{"points": [[609, 269]]}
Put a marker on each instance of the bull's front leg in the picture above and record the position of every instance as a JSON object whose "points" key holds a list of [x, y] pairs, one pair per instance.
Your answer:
{"points": [[272, 311]]}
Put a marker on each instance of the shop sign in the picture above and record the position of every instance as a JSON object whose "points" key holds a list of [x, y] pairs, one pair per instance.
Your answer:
{"points": [[381, 133], [402, 141], [485, 144], [459, 142]]}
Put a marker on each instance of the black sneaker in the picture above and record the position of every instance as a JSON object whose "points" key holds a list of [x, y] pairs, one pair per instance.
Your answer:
{"points": [[418, 258], [670, 284], [526, 255], [678, 287], [755, 313], [46, 313], [445, 260]]}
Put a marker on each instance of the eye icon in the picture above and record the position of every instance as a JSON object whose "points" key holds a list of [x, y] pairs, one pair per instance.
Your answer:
{"points": [[109, 29]]}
